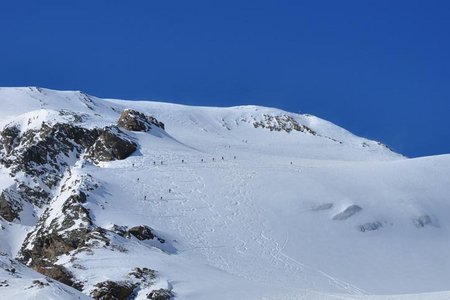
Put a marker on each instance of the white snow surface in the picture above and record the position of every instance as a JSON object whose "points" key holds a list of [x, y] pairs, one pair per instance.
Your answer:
{"points": [[249, 213]]}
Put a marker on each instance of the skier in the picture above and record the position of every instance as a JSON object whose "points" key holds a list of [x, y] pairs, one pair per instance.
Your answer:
{"points": [[182, 161], [235, 157], [154, 163], [145, 197], [222, 157], [170, 190]]}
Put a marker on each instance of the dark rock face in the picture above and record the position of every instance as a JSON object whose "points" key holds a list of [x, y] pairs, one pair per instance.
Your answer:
{"points": [[58, 273], [111, 290], [160, 294], [46, 152], [71, 229], [44, 155], [41, 160], [9, 137], [111, 144], [9, 207], [134, 120]]}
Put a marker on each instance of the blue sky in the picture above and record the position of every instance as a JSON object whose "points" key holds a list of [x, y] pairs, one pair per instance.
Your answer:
{"points": [[378, 68]]}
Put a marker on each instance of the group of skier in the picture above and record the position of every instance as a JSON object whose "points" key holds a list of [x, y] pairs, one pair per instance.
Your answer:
{"points": [[182, 161]]}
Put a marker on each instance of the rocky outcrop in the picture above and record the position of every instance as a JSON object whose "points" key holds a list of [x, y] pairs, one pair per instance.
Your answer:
{"points": [[370, 226], [111, 144], [45, 155], [9, 137], [58, 273], [425, 220], [160, 294], [111, 290], [282, 123], [9, 207], [134, 120], [47, 152], [45, 164], [61, 230], [138, 279], [141, 232]]}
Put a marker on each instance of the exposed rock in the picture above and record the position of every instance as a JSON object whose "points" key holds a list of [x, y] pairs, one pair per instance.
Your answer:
{"points": [[9, 207], [371, 226], [143, 274], [425, 220], [40, 159], [160, 294], [347, 213], [56, 272], [4, 283], [39, 284], [60, 233], [134, 120], [48, 152], [120, 230], [9, 137], [282, 123], [144, 232], [111, 290], [139, 279], [112, 144], [35, 194], [141, 232]]}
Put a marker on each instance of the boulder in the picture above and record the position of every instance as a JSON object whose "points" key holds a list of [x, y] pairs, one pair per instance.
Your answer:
{"points": [[142, 232], [134, 120], [111, 290], [111, 144]]}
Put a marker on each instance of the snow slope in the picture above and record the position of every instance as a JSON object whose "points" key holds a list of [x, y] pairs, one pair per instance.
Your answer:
{"points": [[246, 212]]}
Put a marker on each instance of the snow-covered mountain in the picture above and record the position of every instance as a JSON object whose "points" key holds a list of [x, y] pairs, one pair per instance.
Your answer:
{"points": [[147, 200]]}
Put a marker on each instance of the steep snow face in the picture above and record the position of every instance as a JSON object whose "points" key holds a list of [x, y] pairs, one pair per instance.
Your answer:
{"points": [[243, 202]]}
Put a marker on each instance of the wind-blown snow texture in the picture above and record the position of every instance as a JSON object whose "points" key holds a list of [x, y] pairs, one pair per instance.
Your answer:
{"points": [[244, 202]]}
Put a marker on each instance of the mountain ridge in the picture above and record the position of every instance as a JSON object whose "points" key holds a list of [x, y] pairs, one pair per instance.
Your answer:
{"points": [[150, 199]]}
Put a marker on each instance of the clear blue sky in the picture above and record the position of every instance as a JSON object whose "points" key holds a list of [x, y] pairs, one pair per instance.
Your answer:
{"points": [[378, 68]]}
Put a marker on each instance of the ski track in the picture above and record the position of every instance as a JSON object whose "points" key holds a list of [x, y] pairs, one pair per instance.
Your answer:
{"points": [[190, 213]]}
